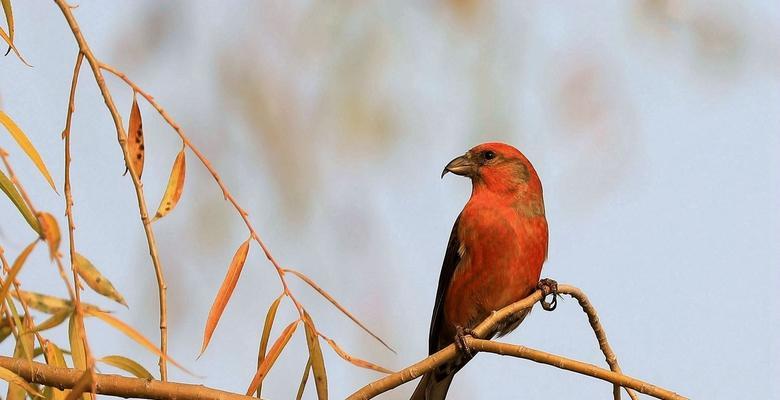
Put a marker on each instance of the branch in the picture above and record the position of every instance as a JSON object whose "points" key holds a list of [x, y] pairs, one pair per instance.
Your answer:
{"points": [[114, 385], [450, 352], [94, 63]]}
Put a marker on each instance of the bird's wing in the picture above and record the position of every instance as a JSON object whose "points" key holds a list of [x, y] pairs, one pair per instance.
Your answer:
{"points": [[451, 261]]}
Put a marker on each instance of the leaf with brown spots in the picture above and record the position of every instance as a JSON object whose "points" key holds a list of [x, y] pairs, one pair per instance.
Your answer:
{"points": [[317, 361], [225, 291], [135, 139], [354, 360], [96, 280], [174, 189]]}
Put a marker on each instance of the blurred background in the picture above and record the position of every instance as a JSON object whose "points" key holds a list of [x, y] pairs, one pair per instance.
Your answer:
{"points": [[654, 125]]}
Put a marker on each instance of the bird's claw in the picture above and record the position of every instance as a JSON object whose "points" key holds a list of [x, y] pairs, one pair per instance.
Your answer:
{"points": [[548, 287], [460, 340]]}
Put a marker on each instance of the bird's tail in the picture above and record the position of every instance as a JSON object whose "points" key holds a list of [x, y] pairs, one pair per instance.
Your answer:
{"points": [[433, 387]]}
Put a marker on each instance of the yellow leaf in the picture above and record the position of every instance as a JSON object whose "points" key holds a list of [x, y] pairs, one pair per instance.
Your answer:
{"points": [[96, 280], [55, 358], [9, 18], [10, 43], [135, 139], [269, 323], [271, 357], [133, 334], [174, 189], [355, 361], [53, 321], [12, 378], [28, 148], [10, 190], [17, 266], [77, 350], [49, 304], [225, 291], [304, 378], [51, 232], [127, 365], [315, 354]]}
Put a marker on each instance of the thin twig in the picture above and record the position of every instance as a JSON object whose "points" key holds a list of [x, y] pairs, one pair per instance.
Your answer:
{"points": [[122, 139], [114, 385], [484, 328]]}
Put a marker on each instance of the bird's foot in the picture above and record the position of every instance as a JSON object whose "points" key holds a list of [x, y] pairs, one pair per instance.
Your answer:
{"points": [[548, 287], [460, 341]]}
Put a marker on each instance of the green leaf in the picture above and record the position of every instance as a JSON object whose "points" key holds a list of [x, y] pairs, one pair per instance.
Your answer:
{"points": [[10, 190], [127, 365]]}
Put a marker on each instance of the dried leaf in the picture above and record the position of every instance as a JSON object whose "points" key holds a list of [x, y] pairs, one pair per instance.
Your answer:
{"points": [[51, 232], [77, 351], [28, 148], [49, 304], [315, 354], [225, 291], [355, 361], [12, 378], [127, 365], [133, 334], [135, 139], [55, 358], [96, 280], [304, 378], [10, 44], [271, 357], [269, 323], [174, 188], [17, 266], [53, 321], [333, 301], [10, 190]]}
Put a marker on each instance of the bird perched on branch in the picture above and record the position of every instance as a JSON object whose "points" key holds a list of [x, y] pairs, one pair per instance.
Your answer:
{"points": [[494, 256]]}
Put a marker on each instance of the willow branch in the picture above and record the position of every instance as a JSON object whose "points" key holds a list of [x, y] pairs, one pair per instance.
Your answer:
{"points": [[488, 325], [114, 385], [94, 63]]}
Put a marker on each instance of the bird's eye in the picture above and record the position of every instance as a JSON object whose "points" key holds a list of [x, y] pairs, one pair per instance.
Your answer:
{"points": [[489, 155]]}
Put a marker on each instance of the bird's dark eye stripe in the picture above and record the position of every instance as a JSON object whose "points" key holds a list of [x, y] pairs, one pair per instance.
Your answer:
{"points": [[489, 155]]}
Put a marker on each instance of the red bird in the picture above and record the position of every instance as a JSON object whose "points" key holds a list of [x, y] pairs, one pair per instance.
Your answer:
{"points": [[494, 256]]}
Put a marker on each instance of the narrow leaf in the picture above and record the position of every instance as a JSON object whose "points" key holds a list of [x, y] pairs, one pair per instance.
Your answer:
{"points": [[51, 232], [341, 308], [225, 291], [127, 365], [17, 266], [10, 190], [55, 358], [304, 378], [28, 148], [49, 304], [269, 323], [271, 357], [10, 377], [354, 360], [135, 139], [10, 44], [174, 189], [315, 354], [9, 18], [96, 280], [53, 321], [77, 351], [133, 334]]}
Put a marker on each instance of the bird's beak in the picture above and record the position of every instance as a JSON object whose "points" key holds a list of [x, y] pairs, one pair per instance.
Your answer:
{"points": [[462, 165]]}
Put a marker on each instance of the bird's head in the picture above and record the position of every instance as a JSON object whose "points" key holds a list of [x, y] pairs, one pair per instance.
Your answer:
{"points": [[496, 167]]}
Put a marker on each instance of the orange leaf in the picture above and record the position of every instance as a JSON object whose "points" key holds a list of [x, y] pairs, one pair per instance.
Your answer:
{"points": [[18, 264], [315, 354], [304, 378], [135, 139], [174, 188], [51, 232], [271, 357], [225, 291], [353, 360]]}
